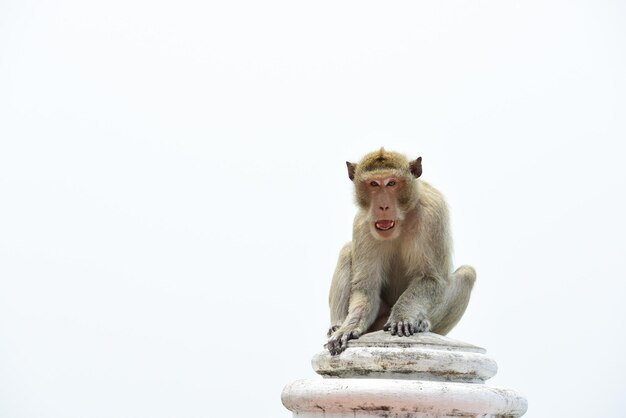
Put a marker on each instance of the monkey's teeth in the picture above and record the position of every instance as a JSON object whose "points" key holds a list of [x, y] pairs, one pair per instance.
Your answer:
{"points": [[385, 225]]}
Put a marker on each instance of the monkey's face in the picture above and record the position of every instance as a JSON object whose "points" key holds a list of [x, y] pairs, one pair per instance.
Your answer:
{"points": [[384, 188], [383, 196]]}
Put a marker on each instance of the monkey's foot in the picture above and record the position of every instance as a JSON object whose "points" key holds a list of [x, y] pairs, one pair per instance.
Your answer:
{"points": [[338, 342], [406, 327]]}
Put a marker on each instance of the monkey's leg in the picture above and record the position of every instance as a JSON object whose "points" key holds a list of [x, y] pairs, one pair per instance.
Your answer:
{"points": [[410, 313], [339, 298], [447, 314]]}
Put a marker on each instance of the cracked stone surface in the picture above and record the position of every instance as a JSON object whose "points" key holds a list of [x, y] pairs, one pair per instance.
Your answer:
{"points": [[421, 376], [424, 356]]}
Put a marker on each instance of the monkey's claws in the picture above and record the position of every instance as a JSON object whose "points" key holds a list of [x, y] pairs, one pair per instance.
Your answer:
{"points": [[406, 327], [338, 342]]}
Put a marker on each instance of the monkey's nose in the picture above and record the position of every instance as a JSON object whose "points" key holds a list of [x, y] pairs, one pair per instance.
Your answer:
{"points": [[383, 208]]}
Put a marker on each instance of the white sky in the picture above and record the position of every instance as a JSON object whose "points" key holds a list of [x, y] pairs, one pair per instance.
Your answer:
{"points": [[173, 192]]}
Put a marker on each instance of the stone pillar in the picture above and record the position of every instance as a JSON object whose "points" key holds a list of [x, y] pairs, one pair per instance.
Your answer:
{"points": [[425, 375]]}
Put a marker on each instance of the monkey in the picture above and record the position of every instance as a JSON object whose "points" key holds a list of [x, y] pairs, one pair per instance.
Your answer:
{"points": [[396, 273]]}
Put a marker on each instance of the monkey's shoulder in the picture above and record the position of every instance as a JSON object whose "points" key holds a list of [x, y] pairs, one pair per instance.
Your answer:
{"points": [[361, 219], [429, 192], [430, 198]]}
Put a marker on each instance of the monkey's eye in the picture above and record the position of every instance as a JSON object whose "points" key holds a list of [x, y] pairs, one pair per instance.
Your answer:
{"points": [[391, 183], [373, 184]]}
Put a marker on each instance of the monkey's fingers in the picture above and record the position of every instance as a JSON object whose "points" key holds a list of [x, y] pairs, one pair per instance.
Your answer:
{"points": [[332, 349], [343, 343], [339, 345], [334, 344], [330, 345], [339, 341], [423, 325], [393, 328], [403, 330], [400, 328]]}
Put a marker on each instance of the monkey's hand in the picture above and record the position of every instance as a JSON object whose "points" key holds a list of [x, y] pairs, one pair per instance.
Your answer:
{"points": [[405, 325], [338, 341]]}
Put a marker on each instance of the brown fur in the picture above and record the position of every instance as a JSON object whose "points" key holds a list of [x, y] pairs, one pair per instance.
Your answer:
{"points": [[400, 279]]}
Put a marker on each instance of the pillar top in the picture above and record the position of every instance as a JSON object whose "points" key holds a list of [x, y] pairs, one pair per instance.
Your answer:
{"points": [[428, 340], [422, 376], [423, 356]]}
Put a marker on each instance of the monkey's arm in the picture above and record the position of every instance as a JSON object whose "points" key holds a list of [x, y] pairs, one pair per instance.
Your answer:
{"points": [[339, 297], [362, 310], [411, 313]]}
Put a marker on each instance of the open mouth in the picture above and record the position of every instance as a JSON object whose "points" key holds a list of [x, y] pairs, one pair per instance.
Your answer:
{"points": [[384, 225]]}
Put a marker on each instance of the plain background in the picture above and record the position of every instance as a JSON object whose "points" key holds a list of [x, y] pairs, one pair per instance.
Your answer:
{"points": [[173, 192]]}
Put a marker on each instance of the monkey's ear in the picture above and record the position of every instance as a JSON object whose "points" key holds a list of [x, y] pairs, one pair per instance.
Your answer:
{"points": [[351, 169], [416, 167]]}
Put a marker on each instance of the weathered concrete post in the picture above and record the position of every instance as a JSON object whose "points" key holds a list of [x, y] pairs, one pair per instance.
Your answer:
{"points": [[425, 375]]}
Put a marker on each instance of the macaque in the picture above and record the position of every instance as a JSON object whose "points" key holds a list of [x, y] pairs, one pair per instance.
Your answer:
{"points": [[396, 273]]}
